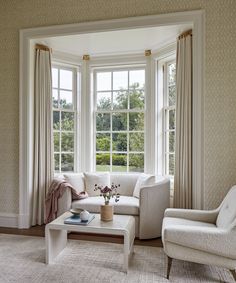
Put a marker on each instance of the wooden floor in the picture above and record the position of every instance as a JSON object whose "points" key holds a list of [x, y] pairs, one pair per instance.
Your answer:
{"points": [[39, 231]]}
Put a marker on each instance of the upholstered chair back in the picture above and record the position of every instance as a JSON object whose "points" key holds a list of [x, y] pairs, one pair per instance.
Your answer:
{"points": [[227, 214]]}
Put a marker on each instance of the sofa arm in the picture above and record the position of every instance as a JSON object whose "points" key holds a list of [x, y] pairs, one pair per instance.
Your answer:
{"points": [[154, 200], [208, 216], [64, 202]]}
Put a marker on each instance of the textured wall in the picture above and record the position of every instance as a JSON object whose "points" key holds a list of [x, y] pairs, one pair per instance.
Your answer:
{"points": [[220, 73]]}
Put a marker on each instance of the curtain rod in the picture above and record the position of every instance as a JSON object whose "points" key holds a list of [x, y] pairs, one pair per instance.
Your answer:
{"points": [[43, 47], [185, 33]]}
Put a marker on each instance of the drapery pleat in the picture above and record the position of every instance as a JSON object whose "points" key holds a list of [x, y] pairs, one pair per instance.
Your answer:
{"points": [[183, 144], [42, 146]]}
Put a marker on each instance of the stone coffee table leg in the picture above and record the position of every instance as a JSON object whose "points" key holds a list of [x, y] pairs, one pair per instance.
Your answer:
{"points": [[56, 241], [128, 249]]}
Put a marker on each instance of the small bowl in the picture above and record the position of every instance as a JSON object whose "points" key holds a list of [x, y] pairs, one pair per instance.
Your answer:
{"points": [[76, 211]]}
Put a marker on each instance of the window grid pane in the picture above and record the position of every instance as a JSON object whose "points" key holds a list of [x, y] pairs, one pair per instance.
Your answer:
{"points": [[64, 114], [169, 117], [118, 117]]}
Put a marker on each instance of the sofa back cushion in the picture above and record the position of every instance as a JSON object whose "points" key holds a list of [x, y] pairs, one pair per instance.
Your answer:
{"points": [[101, 179], [126, 181], [76, 180], [143, 180], [227, 213]]}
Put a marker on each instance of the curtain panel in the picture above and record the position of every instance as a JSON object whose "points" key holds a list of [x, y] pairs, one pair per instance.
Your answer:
{"points": [[43, 149], [183, 143]]}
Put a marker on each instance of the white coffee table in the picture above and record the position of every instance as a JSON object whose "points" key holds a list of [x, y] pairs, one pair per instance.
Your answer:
{"points": [[56, 233]]}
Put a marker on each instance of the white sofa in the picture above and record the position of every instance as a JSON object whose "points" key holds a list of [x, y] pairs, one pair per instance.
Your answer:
{"points": [[147, 206], [207, 237]]}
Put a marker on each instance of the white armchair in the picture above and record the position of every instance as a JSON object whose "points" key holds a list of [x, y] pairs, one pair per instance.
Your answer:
{"points": [[207, 237]]}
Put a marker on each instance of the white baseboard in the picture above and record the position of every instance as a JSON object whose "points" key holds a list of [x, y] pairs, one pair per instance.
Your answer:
{"points": [[23, 221], [9, 220]]}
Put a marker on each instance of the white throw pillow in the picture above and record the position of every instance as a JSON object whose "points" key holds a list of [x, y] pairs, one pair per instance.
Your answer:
{"points": [[76, 180], [101, 179], [143, 180]]}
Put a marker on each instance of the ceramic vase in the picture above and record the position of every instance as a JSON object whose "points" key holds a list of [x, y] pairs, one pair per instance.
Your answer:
{"points": [[106, 212]]}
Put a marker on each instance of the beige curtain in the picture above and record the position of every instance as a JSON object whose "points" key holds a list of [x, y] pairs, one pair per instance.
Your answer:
{"points": [[42, 157], [183, 145]]}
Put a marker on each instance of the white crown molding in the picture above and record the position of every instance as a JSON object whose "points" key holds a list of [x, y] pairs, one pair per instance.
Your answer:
{"points": [[196, 18], [9, 220], [66, 58]]}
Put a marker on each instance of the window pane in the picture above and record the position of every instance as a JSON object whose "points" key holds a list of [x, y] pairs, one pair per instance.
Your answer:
{"points": [[66, 99], [136, 162], [66, 79], [67, 162], [119, 121], [104, 100], [171, 141], [171, 119], [172, 73], [55, 77], [137, 78], [136, 142], [56, 162], [56, 120], [120, 80], [136, 98], [136, 121], [119, 142], [119, 162], [171, 164], [67, 142], [104, 81], [103, 142], [120, 100], [67, 121], [172, 95], [103, 122], [56, 141], [55, 98], [103, 162]]}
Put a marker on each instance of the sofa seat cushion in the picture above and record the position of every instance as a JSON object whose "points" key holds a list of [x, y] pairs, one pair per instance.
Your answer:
{"points": [[170, 223], [126, 205]]}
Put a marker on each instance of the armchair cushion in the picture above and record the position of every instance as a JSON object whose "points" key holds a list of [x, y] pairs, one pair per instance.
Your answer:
{"points": [[101, 179], [76, 180], [143, 181], [199, 236], [127, 205]]}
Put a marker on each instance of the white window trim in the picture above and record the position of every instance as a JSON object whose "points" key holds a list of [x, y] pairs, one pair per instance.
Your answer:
{"points": [[28, 38]]}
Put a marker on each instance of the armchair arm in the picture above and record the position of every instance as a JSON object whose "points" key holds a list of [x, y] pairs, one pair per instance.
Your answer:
{"points": [[64, 202], [208, 216], [208, 239], [154, 200]]}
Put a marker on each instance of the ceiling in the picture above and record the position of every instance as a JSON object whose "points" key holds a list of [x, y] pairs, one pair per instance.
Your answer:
{"points": [[116, 42]]}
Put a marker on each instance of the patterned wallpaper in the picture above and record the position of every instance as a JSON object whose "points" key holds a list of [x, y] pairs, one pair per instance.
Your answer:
{"points": [[220, 84]]}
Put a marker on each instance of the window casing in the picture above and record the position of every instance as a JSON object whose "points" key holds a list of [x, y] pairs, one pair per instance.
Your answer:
{"points": [[65, 117], [119, 117]]}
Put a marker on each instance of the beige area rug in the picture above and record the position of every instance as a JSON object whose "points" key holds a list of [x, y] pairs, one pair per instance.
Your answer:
{"points": [[22, 260]]}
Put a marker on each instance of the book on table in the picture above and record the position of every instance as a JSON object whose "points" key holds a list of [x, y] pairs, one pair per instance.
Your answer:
{"points": [[76, 220]]}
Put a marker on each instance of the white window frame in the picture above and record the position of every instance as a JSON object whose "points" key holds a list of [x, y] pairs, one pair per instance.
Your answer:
{"points": [[75, 110], [166, 111], [112, 69]]}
